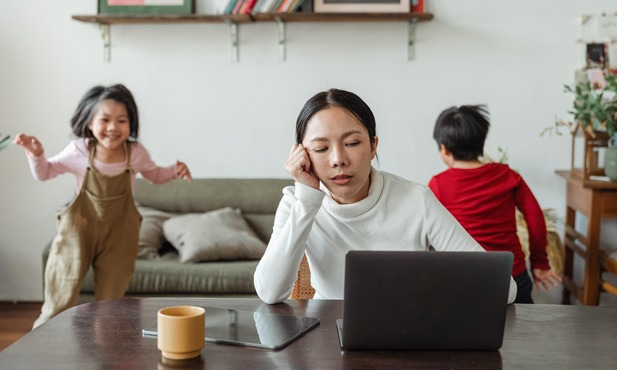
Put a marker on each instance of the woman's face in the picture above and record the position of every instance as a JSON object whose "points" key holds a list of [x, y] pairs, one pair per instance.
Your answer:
{"points": [[341, 153]]}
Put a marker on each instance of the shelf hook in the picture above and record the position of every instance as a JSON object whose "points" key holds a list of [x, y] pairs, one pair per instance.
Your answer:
{"points": [[281, 33], [233, 32], [411, 35], [106, 34]]}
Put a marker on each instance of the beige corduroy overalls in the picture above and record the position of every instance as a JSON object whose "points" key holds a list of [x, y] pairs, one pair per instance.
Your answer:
{"points": [[99, 228]]}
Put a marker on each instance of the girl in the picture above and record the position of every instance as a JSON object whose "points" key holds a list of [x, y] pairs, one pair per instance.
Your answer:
{"points": [[340, 203], [100, 227]]}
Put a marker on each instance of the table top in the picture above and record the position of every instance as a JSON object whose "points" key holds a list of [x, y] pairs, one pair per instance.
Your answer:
{"points": [[592, 184], [107, 335]]}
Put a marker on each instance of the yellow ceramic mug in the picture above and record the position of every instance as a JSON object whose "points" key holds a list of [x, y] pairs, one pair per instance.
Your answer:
{"points": [[181, 331]]}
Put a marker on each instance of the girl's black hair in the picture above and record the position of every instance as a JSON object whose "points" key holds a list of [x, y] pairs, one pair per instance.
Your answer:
{"points": [[336, 98], [463, 131], [89, 104]]}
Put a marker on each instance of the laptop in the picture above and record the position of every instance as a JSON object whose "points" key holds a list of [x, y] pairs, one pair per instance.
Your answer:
{"points": [[424, 300]]}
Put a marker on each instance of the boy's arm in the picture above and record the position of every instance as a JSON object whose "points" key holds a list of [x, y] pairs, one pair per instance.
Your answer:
{"points": [[536, 225]]}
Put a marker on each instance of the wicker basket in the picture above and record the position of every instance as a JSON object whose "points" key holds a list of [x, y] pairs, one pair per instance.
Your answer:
{"points": [[302, 287], [554, 248]]}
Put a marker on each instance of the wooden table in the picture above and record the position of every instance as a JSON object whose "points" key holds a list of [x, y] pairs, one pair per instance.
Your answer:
{"points": [[596, 200], [107, 335]]}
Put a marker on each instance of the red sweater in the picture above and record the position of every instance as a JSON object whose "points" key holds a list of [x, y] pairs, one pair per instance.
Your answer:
{"points": [[483, 200]]}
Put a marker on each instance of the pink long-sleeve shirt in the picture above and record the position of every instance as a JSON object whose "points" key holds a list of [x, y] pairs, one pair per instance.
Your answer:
{"points": [[74, 159]]}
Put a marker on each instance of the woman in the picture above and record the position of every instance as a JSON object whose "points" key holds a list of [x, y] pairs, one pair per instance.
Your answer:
{"points": [[341, 203]]}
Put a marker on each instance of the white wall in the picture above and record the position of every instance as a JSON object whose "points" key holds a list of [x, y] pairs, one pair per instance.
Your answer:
{"points": [[229, 119]]}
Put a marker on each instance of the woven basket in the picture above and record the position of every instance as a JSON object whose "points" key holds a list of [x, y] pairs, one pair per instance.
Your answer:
{"points": [[554, 248], [302, 287]]}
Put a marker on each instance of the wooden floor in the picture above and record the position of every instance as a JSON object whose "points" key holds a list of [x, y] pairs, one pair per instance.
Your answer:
{"points": [[16, 320]]}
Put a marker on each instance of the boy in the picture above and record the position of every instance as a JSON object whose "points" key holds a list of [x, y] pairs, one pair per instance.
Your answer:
{"points": [[483, 197]]}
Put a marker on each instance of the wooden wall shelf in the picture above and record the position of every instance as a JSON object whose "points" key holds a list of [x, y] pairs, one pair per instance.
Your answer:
{"points": [[162, 18], [105, 21], [247, 18]]}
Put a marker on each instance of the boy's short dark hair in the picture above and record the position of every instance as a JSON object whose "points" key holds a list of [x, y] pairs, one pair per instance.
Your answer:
{"points": [[463, 131]]}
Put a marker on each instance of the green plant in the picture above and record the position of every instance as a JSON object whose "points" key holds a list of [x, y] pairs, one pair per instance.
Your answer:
{"points": [[4, 141], [502, 156], [595, 109]]}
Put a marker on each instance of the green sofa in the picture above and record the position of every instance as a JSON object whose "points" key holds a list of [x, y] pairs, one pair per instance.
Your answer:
{"points": [[166, 275]]}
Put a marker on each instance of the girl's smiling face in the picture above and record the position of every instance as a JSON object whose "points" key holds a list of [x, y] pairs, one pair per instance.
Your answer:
{"points": [[341, 153], [110, 125]]}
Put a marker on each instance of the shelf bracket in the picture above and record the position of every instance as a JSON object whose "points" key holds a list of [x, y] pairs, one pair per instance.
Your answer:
{"points": [[106, 34], [281, 33], [411, 36], [235, 49]]}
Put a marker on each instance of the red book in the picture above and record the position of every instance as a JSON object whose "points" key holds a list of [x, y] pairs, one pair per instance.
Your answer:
{"points": [[248, 6], [417, 6]]}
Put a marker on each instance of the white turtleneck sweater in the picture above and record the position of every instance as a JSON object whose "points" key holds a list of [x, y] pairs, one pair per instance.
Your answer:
{"points": [[397, 215]]}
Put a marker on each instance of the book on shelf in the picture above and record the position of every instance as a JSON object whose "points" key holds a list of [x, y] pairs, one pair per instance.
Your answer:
{"points": [[277, 6], [293, 6], [237, 7], [230, 7], [417, 6], [247, 6], [283, 6], [268, 6], [257, 7]]}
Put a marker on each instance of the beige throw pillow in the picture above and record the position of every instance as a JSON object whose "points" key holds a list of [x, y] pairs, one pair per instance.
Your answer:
{"points": [[151, 232], [222, 234]]}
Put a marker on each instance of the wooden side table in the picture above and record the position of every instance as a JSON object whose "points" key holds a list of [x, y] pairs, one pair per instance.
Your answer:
{"points": [[596, 200]]}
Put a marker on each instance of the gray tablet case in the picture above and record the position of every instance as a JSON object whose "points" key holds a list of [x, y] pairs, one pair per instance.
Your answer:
{"points": [[250, 328], [425, 300]]}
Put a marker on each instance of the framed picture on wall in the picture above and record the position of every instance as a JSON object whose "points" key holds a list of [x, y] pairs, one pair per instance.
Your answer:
{"points": [[146, 6], [362, 6], [596, 56]]}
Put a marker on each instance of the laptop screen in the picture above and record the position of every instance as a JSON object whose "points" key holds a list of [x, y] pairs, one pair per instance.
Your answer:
{"points": [[425, 300]]}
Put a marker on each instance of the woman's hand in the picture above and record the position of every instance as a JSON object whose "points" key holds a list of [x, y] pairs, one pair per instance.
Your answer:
{"points": [[545, 279], [298, 165], [30, 143], [182, 171]]}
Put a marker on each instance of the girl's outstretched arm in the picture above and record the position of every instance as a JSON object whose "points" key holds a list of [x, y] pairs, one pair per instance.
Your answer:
{"points": [[30, 143]]}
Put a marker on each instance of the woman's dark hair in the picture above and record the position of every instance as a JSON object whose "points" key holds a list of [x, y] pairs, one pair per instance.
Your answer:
{"points": [[336, 98], [463, 131], [89, 103]]}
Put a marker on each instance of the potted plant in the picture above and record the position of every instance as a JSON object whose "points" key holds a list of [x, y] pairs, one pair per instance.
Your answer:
{"points": [[595, 107], [594, 112]]}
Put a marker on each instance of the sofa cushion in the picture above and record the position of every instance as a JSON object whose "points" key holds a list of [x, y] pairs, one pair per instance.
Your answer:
{"points": [[151, 232], [166, 276], [222, 234], [257, 198]]}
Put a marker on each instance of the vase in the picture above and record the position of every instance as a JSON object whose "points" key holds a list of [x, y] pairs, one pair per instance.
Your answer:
{"points": [[610, 160]]}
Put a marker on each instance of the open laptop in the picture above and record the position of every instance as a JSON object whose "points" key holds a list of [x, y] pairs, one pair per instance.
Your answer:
{"points": [[425, 300]]}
